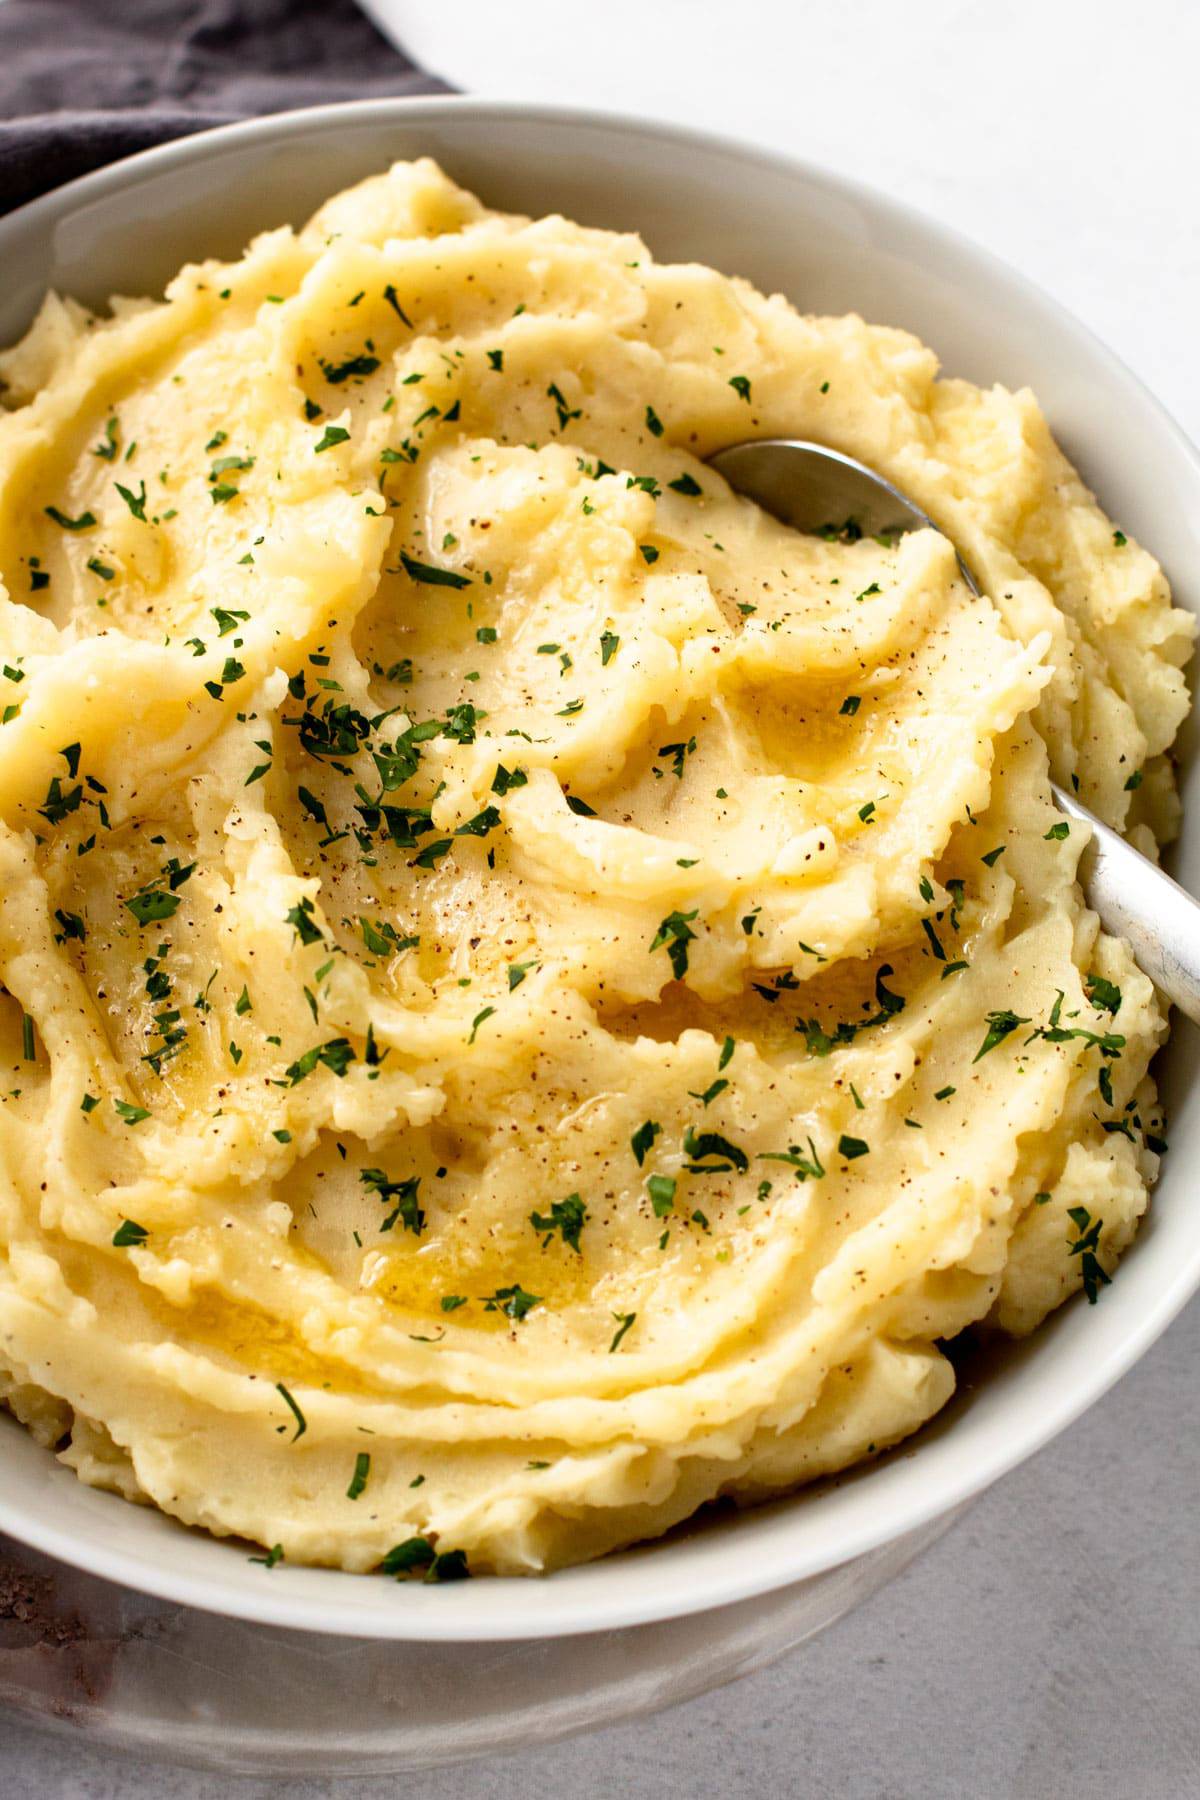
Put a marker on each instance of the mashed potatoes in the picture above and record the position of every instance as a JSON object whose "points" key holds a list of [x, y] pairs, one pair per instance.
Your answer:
{"points": [[536, 996]]}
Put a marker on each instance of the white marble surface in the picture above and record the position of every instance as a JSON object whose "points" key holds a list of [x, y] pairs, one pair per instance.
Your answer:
{"points": [[1050, 1645]]}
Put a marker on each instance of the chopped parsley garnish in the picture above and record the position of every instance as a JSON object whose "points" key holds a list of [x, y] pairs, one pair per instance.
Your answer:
{"points": [[513, 1301], [699, 1146], [794, 1157], [852, 1147], [678, 754], [935, 943], [449, 1565], [819, 1042], [643, 1138], [478, 1020], [661, 1189], [299, 917], [649, 553], [687, 485], [741, 386], [568, 1217], [1000, 1025], [336, 373], [504, 779], [1109, 1043], [993, 856], [227, 619], [401, 1196], [152, 904], [130, 1115], [336, 1056], [675, 933], [413, 1553], [333, 434], [850, 705], [1085, 1248], [417, 1553], [429, 575], [624, 1321], [72, 926], [480, 824], [106, 450], [382, 938], [654, 424], [1059, 831], [517, 973], [68, 524], [135, 502], [393, 300], [224, 464], [301, 1421], [128, 1233], [565, 412], [362, 1471], [1104, 995]]}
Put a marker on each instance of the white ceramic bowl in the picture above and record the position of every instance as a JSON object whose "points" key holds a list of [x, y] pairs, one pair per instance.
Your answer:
{"points": [[831, 246]]}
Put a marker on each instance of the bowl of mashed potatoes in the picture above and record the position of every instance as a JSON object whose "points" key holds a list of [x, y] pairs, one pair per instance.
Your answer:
{"points": [[545, 1014]]}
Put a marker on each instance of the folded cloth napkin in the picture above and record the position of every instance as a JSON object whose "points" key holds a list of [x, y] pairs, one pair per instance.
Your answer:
{"points": [[83, 82]]}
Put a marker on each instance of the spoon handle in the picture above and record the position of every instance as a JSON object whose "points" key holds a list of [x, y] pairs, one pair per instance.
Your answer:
{"points": [[1138, 901]]}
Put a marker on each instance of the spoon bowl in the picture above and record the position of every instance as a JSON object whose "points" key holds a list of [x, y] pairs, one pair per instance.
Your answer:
{"points": [[829, 494]]}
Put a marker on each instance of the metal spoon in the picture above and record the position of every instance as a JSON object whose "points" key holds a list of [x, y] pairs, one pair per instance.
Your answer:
{"points": [[811, 487]]}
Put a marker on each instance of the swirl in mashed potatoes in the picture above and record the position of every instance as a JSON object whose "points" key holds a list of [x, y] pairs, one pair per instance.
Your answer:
{"points": [[536, 996]]}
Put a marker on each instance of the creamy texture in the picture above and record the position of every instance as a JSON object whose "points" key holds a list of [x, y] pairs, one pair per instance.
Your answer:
{"points": [[536, 996]]}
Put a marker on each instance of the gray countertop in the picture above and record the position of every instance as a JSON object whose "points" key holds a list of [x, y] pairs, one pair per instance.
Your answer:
{"points": [[1048, 1646]]}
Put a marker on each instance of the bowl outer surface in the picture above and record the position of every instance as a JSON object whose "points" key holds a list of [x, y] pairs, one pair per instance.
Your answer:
{"points": [[830, 245]]}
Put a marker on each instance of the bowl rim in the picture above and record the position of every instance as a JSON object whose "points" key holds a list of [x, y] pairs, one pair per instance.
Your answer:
{"points": [[575, 1600]]}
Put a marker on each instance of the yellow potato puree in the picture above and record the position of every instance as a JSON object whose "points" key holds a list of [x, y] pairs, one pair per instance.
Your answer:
{"points": [[537, 997]]}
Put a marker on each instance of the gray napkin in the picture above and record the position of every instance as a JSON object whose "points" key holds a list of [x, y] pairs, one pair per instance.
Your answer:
{"points": [[83, 82]]}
